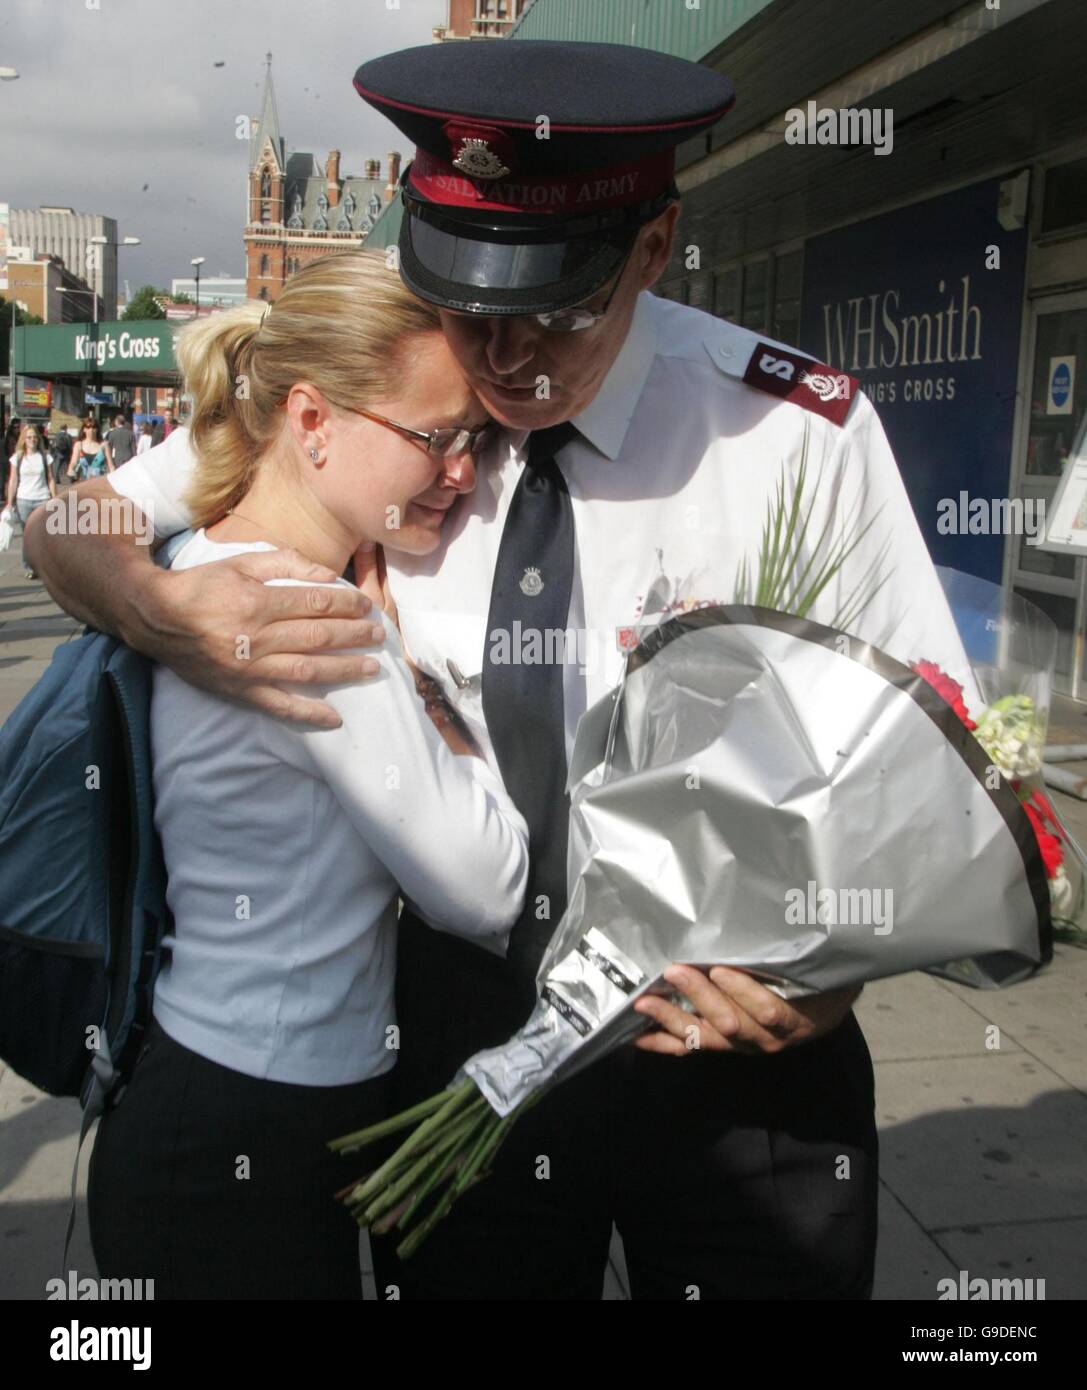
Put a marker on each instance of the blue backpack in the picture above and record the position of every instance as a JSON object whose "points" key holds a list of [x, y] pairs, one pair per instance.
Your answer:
{"points": [[82, 880]]}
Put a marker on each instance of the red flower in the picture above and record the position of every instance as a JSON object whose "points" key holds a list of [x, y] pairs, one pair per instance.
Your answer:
{"points": [[949, 690], [1050, 845]]}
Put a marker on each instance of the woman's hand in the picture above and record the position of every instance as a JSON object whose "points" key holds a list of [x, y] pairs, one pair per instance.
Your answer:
{"points": [[372, 578], [444, 718]]}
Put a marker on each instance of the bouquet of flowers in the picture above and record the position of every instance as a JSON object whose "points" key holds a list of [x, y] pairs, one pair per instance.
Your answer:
{"points": [[1011, 649], [743, 799]]}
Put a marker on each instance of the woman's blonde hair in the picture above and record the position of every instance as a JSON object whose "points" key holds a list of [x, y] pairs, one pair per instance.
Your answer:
{"points": [[22, 445], [340, 323]]}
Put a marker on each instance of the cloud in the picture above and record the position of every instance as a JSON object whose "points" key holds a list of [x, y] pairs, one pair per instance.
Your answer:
{"points": [[116, 94]]}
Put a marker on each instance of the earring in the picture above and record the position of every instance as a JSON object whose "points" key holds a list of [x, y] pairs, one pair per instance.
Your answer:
{"points": [[315, 454]]}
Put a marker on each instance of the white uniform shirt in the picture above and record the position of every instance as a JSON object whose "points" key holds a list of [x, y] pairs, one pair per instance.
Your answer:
{"points": [[677, 461], [284, 846]]}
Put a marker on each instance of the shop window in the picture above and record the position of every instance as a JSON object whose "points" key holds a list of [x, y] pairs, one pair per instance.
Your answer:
{"points": [[1065, 201], [726, 294], [785, 322], [1033, 560], [1060, 335], [754, 300], [700, 290]]}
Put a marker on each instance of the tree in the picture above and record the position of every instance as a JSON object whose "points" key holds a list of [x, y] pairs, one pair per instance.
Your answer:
{"points": [[143, 305], [22, 320]]}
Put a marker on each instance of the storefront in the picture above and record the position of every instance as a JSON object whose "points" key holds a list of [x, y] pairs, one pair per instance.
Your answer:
{"points": [[948, 271]]}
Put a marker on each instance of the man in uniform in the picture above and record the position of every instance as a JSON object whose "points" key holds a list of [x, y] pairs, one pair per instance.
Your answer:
{"points": [[644, 442]]}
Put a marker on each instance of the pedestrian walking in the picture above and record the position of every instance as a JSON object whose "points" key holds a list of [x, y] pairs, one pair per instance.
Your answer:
{"points": [[121, 440], [93, 455], [62, 456], [30, 480]]}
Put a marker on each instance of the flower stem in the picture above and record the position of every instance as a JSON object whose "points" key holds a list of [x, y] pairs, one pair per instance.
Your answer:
{"points": [[418, 1139], [348, 1143], [437, 1154]]}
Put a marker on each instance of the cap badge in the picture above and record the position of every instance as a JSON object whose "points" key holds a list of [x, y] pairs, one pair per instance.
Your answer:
{"points": [[476, 159], [531, 583]]}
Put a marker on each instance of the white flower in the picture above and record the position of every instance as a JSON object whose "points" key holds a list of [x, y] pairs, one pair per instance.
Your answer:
{"points": [[1061, 893]]}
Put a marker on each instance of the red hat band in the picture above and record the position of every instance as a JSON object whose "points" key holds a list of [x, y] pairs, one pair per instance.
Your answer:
{"points": [[564, 195]]}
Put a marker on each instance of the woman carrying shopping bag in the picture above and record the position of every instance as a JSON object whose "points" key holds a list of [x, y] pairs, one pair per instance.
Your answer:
{"points": [[30, 478]]}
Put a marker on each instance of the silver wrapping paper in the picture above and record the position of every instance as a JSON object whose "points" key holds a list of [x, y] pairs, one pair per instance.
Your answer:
{"points": [[766, 793]]}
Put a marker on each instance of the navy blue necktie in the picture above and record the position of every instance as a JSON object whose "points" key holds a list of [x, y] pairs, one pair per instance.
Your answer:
{"points": [[523, 701]]}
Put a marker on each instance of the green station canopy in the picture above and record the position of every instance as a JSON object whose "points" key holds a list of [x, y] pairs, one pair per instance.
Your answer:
{"points": [[123, 351]]}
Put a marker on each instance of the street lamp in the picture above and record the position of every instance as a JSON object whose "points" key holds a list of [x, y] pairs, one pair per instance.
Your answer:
{"points": [[92, 260], [198, 261], [64, 289]]}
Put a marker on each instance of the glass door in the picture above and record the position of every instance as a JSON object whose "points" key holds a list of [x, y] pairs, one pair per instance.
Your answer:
{"points": [[1058, 403]]}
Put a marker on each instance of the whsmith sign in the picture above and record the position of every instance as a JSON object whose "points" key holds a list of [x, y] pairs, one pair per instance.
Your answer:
{"points": [[140, 346], [924, 306]]}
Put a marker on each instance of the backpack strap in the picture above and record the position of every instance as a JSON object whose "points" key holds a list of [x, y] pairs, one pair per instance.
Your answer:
{"points": [[103, 1078]]}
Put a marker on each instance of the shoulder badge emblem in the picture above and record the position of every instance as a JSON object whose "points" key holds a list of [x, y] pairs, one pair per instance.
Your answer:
{"points": [[812, 385]]}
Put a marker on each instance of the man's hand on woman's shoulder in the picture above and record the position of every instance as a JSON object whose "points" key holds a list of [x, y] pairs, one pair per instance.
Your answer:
{"points": [[222, 627]]}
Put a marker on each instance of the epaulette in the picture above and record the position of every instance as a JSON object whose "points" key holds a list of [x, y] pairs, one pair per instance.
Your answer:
{"points": [[790, 375]]}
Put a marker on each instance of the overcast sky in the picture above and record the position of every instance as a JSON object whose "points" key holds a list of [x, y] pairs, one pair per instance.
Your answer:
{"points": [[120, 109]]}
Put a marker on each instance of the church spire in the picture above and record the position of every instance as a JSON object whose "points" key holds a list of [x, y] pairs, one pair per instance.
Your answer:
{"points": [[268, 129]]}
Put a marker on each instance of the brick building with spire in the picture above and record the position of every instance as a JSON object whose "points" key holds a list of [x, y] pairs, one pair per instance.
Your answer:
{"points": [[299, 211]]}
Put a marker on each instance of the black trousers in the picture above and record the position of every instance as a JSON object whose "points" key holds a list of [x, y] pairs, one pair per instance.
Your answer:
{"points": [[738, 1177], [218, 1185]]}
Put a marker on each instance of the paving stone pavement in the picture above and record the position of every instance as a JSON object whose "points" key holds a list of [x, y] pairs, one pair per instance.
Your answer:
{"points": [[982, 1145]]}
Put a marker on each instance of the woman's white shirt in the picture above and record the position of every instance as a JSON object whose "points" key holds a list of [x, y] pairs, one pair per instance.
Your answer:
{"points": [[284, 848], [143, 444], [33, 485]]}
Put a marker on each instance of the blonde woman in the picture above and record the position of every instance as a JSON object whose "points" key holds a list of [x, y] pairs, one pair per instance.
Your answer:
{"points": [[30, 479], [333, 421]]}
